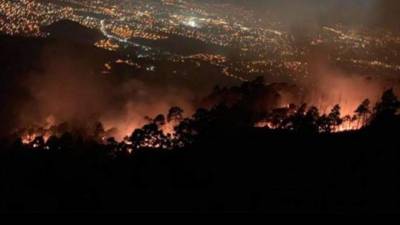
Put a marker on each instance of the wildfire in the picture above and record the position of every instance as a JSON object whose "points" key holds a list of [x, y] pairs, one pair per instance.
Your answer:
{"points": [[28, 138], [350, 125], [265, 124], [281, 119], [345, 128], [32, 138], [117, 129], [44, 130]]}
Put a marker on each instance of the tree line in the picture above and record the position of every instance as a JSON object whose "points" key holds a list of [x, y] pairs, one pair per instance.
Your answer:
{"points": [[240, 107]]}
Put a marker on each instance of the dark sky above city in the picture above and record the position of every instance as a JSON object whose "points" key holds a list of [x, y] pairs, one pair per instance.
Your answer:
{"points": [[370, 12]]}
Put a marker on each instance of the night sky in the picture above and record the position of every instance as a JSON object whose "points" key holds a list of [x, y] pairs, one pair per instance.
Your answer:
{"points": [[384, 13]]}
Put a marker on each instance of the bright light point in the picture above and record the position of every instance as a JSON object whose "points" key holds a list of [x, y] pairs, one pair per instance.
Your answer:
{"points": [[191, 23]]}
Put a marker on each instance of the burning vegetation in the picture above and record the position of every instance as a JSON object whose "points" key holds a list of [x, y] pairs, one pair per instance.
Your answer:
{"points": [[251, 105]]}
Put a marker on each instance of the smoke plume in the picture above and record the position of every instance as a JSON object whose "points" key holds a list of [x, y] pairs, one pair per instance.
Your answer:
{"points": [[68, 88]]}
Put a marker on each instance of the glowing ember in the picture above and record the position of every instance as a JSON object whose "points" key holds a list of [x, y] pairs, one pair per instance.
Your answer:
{"points": [[347, 127], [265, 124], [30, 138], [326, 122]]}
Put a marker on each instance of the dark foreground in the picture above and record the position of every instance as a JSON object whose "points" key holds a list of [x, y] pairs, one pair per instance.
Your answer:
{"points": [[247, 171]]}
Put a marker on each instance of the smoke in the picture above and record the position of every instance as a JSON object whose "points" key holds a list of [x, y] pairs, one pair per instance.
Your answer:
{"points": [[314, 13], [388, 13], [320, 12], [67, 86], [329, 85], [141, 100], [69, 89]]}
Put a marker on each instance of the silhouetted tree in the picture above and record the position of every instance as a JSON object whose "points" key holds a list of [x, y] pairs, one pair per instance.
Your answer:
{"points": [[98, 131], [324, 124], [175, 114], [53, 142], [295, 120], [348, 120], [304, 120], [362, 112], [278, 117], [159, 120], [311, 120], [388, 105], [150, 136], [386, 109], [185, 133], [335, 117], [111, 144]]}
